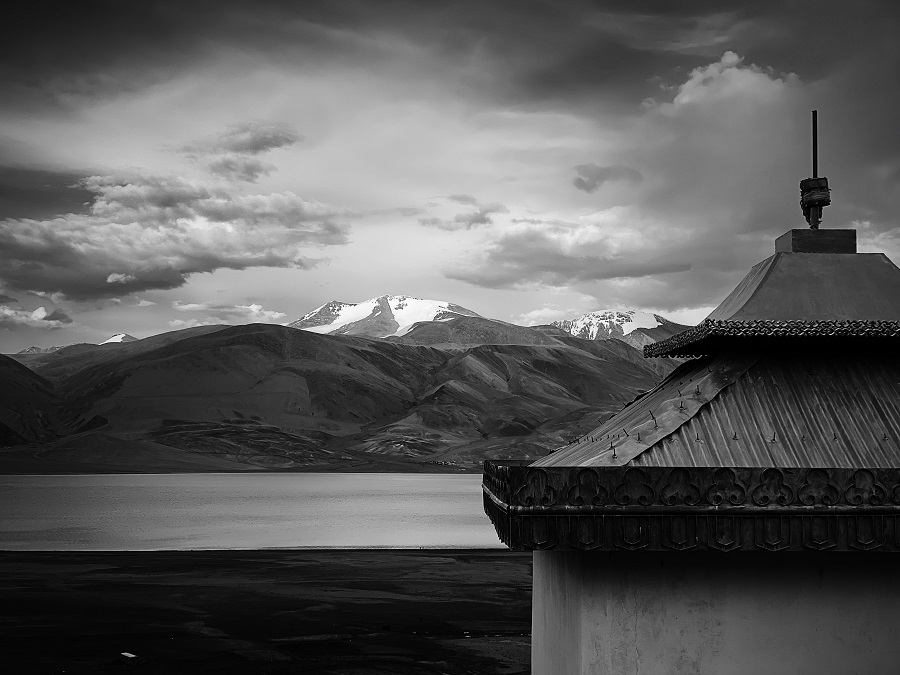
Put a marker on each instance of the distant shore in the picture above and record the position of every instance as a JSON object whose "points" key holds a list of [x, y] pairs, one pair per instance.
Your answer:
{"points": [[40, 460], [355, 611]]}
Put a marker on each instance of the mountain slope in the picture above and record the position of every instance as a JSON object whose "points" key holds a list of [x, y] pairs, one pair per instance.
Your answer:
{"points": [[264, 396], [29, 408], [378, 317], [470, 330]]}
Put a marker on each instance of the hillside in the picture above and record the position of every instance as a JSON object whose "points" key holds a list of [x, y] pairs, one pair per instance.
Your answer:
{"points": [[29, 408], [270, 397]]}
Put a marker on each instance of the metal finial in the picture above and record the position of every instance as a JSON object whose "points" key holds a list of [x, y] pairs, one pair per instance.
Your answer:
{"points": [[814, 192]]}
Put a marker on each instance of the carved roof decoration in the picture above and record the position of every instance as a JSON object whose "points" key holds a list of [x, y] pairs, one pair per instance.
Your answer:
{"points": [[693, 508]]}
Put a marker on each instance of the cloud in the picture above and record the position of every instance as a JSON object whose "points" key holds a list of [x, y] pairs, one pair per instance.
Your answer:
{"points": [[714, 172], [7, 298], [463, 199], [235, 167], [232, 154], [543, 316], [247, 138], [162, 230], [12, 319], [467, 220], [117, 278], [193, 323], [28, 192], [222, 313], [562, 255], [591, 177], [141, 302]]}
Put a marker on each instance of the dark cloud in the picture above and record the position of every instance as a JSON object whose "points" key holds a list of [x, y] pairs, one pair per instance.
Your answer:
{"points": [[585, 53], [153, 232], [591, 177], [7, 299], [58, 316], [27, 192]]}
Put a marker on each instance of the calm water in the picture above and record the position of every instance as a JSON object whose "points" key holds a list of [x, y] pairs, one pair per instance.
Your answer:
{"points": [[209, 511]]}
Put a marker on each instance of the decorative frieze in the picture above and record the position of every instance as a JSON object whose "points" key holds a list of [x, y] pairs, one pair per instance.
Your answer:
{"points": [[693, 508], [686, 343]]}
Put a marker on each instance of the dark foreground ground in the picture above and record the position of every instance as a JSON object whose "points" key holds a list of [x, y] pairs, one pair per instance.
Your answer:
{"points": [[348, 612]]}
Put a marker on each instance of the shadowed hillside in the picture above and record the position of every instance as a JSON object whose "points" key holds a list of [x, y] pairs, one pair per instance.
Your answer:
{"points": [[270, 397], [29, 408]]}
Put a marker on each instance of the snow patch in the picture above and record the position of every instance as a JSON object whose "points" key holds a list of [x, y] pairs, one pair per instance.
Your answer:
{"points": [[119, 337], [609, 321]]}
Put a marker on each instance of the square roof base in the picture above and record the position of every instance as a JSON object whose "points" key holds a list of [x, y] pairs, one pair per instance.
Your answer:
{"points": [[816, 241]]}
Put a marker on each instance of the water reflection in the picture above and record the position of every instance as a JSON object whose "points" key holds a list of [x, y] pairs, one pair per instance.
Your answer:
{"points": [[211, 511]]}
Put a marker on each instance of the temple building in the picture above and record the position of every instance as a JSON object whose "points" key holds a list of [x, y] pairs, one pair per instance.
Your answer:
{"points": [[737, 518]]}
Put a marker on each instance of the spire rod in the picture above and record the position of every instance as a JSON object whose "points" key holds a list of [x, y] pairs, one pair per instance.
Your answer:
{"points": [[815, 143], [814, 192]]}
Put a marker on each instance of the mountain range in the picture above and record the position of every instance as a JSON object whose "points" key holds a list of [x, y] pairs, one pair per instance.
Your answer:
{"points": [[443, 389], [384, 316]]}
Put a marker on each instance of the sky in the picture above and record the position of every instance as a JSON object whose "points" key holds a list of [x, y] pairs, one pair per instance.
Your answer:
{"points": [[171, 164]]}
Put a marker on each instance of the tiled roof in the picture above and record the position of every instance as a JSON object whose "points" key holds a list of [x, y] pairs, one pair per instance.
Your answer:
{"points": [[790, 297], [712, 335]]}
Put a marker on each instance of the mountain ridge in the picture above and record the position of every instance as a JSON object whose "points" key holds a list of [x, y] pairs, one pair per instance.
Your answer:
{"points": [[382, 316], [264, 397]]}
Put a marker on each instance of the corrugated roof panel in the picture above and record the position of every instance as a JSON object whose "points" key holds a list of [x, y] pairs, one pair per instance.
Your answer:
{"points": [[794, 413], [653, 416], [740, 411]]}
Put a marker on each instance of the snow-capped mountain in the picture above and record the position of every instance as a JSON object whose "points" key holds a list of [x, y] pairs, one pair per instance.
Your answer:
{"points": [[120, 337], [39, 350], [610, 323], [386, 315]]}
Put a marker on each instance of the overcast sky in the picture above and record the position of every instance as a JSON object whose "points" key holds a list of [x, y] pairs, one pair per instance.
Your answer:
{"points": [[168, 164]]}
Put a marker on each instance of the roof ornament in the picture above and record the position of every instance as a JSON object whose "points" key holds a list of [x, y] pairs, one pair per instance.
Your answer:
{"points": [[814, 192]]}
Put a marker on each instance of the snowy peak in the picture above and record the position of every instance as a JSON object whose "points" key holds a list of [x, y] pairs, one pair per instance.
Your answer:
{"points": [[607, 324], [383, 316], [120, 337]]}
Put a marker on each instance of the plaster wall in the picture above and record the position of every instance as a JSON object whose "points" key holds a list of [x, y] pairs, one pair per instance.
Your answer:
{"points": [[668, 613]]}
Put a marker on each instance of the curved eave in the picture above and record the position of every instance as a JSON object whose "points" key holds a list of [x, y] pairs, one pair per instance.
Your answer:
{"points": [[712, 335], [693, 508]]}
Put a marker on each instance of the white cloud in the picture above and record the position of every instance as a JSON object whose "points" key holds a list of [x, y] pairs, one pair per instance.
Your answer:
{"points": [[543, 315], [222, 313], [12, 318], [193, 323], [162, 229]]}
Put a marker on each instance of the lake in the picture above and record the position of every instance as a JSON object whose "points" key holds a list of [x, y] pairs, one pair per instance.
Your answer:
{"points": [[142, 512]]}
